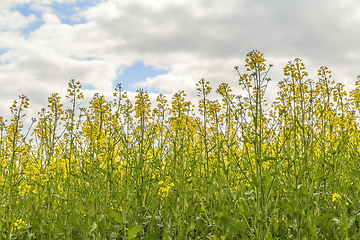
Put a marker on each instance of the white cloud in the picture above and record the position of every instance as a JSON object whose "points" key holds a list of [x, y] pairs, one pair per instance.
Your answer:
{"points": [[14, 20], [6, 4], [168, 83], [192, 39]]}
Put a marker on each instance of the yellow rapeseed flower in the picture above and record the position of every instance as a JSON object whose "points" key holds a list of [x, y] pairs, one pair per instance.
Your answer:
{"points": [[335, 197], [20, 224]]}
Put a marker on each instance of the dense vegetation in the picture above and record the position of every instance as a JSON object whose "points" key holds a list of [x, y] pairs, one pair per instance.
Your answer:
{"points": [[240, 169]]}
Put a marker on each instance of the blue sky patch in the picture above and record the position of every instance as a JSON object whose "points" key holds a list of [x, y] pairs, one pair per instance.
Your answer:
{"points": [[137, 73], [67, 12], [85, 59], [87, 87], [32, 26], [3, 50], [26, 10]]}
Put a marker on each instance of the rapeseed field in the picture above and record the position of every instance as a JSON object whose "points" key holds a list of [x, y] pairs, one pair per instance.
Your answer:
{"points": [[233, 168]]}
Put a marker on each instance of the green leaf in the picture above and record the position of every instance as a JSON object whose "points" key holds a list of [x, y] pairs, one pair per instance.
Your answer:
{"points": [[237, 227], [153, 236], [268, 236], [133, 231], [269, 158], [93, 197], [200, 223], [280, 164], [190, 228], [267, 177], [81, 208], [336, 221], [116, 215], [59, 196], [331, 178], [249, 192], [93, 227], [322, 220], [102, 171], [351, 222]]}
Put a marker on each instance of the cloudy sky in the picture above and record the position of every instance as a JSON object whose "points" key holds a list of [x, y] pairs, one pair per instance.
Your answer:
{"points": [[163, 46]]}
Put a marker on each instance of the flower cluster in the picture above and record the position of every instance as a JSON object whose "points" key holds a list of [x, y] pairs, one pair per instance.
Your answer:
{"points": [[164, 187]]}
